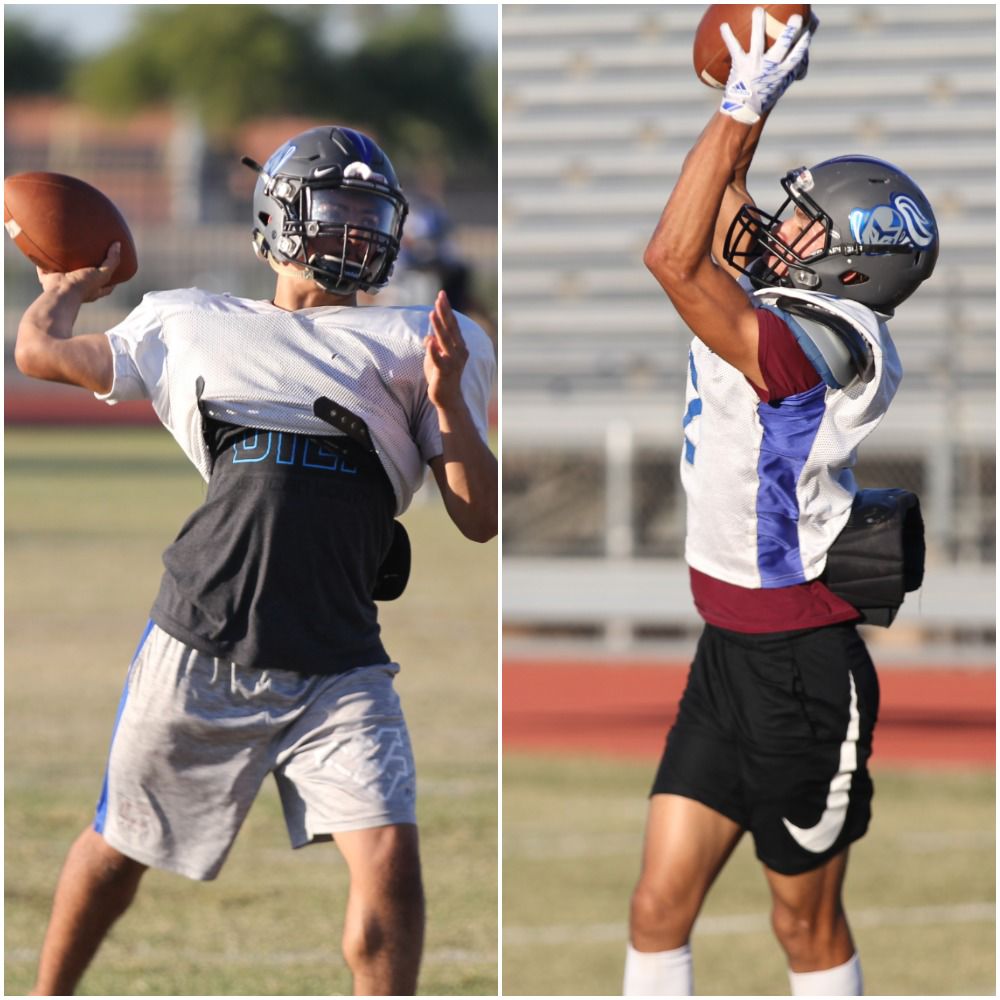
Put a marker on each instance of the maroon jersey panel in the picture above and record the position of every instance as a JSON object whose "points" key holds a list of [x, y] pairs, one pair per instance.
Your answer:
{"points": [[783, 363]]}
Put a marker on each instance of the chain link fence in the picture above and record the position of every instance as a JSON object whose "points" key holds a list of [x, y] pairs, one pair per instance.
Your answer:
{"points": [[557, 503]]}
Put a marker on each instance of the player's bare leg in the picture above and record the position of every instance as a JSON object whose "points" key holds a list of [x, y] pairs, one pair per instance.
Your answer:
{"points": [[384, 926], [95, 888], [808, 916], [685, 848]]}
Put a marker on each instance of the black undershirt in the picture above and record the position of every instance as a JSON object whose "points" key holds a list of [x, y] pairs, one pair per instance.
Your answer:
{"points": [[276, 569]]}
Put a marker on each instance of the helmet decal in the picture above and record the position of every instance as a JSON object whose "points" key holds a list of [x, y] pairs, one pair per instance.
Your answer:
{"points": [[895, 224], [922, 230]]}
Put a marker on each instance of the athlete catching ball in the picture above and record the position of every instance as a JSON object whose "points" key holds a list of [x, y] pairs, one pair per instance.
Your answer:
{"points": [[791, 368]]}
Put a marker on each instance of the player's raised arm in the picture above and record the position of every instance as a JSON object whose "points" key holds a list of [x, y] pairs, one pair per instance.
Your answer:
{"points": [[466, 470], [46, 348], [680, 252], [679, 256], [735, 196]]}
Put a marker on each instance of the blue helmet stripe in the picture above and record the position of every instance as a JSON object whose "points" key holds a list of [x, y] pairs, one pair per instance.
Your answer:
{"points": [[363, 143]]}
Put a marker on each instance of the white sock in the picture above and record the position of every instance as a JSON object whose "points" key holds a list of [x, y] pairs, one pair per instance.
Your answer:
{"points": [[658, 973], [841, 981]]}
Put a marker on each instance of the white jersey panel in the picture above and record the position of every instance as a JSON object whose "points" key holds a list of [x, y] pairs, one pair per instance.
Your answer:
{"points": [[769, 488], [264, 367]]}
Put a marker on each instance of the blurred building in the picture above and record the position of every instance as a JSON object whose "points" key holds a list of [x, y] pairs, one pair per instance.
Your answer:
{"points": [[600, 106]]}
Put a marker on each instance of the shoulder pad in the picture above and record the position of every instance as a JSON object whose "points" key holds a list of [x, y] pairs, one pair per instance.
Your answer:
{"points": [[833, 346]]}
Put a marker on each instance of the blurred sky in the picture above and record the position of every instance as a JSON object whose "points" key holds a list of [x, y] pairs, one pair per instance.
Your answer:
{"points": [[89, 27]]}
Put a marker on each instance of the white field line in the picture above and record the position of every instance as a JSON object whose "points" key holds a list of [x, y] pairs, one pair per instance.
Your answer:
{"points": [[950, 840], [754, 923]]}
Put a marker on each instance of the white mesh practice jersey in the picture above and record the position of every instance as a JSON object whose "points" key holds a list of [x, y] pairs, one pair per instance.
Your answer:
{"points": [[769, 486], [262, 366]]}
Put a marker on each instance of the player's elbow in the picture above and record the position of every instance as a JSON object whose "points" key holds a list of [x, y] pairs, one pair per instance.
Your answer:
{"points": [[477, 521], [487, 534], [482, 528], [668, 263], [30, 360]]}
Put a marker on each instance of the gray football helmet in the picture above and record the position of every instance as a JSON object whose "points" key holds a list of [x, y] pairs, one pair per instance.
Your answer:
{"points": [[328, 200], [880, 237]]}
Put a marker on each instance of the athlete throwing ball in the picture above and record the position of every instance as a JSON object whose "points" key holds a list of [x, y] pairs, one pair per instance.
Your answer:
{"points": [[791, 367], [313, 421]]}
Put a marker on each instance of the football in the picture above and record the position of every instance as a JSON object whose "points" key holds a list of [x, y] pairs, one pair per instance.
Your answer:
{"points": [[711, 57], [61, 223]]}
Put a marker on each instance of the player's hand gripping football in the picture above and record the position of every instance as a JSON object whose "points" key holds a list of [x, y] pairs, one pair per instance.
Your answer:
{"points": [[445, 356], [89, 283], [758, 78]]}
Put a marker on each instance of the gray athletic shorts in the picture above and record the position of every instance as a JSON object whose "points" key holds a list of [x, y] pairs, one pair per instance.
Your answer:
{"points": [[195, 738]]}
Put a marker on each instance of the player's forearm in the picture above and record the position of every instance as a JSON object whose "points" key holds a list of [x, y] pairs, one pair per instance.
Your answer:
{"points": [[45, 324], [46, 348], [736, 194], [470, 476], [750, 143], [683, 237]]}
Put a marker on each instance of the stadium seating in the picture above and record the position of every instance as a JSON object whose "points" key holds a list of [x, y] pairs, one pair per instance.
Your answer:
{"points": [[600, 106]]}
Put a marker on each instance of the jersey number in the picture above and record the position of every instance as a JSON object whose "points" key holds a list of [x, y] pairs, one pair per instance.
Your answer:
{"points": [[693, 411]]}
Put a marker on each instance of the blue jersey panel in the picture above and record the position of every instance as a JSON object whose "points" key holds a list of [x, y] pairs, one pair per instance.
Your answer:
{"points": [[790, 429]]}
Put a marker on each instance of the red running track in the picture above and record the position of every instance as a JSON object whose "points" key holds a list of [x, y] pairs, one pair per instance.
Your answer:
{"points": [[929, 717]]}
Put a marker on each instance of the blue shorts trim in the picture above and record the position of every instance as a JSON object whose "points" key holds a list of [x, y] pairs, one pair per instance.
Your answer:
{"points": [[102, 803]]}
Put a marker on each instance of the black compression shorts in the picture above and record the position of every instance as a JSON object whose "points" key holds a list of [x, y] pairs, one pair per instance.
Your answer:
{"points": [[775, 731]]}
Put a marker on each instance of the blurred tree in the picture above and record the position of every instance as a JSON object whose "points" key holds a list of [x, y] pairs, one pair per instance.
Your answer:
{"points": [[33, 63], [226, 63], [425, 88], [410, 79]]}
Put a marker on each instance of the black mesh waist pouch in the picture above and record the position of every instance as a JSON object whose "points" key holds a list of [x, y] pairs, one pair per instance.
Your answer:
{"points": [[878, 557]]}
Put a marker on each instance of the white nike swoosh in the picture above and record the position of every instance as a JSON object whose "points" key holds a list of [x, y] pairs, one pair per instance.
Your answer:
{"points": [[820, 837]]}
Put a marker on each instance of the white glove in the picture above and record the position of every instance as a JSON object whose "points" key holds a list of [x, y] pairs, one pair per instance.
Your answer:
{"points": [[758, 78]]}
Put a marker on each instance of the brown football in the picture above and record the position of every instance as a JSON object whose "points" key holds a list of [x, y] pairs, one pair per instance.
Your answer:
{"points": [[61, 223], [711, 57]]}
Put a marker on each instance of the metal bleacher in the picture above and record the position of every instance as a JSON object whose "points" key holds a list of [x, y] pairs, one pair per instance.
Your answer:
{"points": [[600, 106]]}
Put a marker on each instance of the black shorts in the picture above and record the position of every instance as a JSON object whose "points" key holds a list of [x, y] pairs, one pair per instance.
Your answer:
{"points": [[775, 731]]}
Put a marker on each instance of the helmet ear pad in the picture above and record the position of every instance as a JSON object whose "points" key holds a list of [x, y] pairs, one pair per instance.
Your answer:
{"points": [[259, 245]]}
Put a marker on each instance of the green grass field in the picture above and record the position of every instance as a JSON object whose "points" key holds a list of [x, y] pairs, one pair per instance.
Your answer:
{"points": [[88, 514], [920, 886]]}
